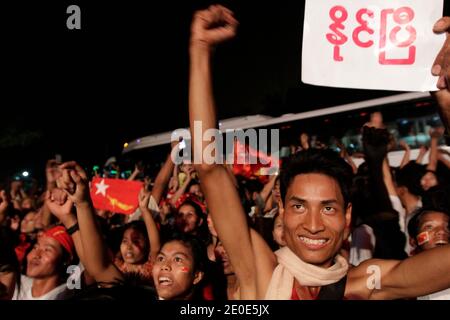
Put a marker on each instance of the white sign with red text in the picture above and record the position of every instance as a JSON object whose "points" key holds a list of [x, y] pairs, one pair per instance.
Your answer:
{"points": [[371, 44]]}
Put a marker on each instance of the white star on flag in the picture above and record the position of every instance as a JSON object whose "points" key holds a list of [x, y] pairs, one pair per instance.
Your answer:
{"points": [[101, 188]]}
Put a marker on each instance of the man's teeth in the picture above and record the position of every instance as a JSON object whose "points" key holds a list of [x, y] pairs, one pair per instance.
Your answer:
{"points": [[313, 241], [164, 280], [441, 242]]}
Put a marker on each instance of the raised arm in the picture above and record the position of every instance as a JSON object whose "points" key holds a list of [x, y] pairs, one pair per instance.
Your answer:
{"points": [[422, 152], [182, 189], [435, 135], [387, 178], [162, 179], [267, 190], [209, 28], [152, 229], [97, 261], [407, 155], [137, 170], [62, 208]]}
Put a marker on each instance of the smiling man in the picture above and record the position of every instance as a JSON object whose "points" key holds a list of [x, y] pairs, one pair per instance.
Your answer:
{"points": [[314, 206], [47, 267]]}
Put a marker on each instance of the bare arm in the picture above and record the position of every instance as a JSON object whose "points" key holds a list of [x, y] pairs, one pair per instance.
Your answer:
{"points": [[267, 190], [344, 155], [97, 261], [135, 173], [162, 179], [182, 189], [422, 152], [46, 215], [407, 155], [434, 135], [57, 203], [387, 177], [422, 274], [152, 230], [229, 220]]}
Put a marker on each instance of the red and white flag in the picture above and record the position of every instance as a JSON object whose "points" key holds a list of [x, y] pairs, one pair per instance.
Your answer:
{"points": [[119, 196], [265, 164]]}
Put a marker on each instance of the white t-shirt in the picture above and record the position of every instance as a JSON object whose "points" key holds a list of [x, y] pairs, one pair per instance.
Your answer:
{"points": [[362, 244], [441, 295], [59, 293], [404, 220]]}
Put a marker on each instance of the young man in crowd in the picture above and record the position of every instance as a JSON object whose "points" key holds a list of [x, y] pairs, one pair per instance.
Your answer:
{"points": [[47, 265], [314, 205]]}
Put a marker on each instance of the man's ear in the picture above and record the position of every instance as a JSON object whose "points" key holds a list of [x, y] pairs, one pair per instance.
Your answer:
{"points": [[198, 276], [348, 221], [200, 222], [413, 244]]}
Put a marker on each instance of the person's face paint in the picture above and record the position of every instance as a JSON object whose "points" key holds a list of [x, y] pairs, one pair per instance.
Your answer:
{"points": [[428, 180], [436, 225], [423, 238], [278, 231], [134, 247], [45, 258], [187, 220], [315, 220], [173, 272], [222, 256]]}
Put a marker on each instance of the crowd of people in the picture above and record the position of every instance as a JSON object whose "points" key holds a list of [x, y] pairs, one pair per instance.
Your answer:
{"points": [[203, 233]]}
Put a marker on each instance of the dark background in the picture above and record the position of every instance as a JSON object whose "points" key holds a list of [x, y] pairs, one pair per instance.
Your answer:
{"points": [[83, 93]]}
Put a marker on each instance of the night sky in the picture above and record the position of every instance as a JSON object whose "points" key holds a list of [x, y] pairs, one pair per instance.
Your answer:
{"points": [[83, 93]]}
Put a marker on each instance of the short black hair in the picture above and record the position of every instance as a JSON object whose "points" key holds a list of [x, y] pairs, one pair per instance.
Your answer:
{"points": [[198, 210], [197, 247], [322, 161], [140, 227], [409, 176], [414, 223]]}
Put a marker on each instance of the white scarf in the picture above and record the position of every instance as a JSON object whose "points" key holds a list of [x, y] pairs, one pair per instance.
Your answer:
{"points": [[290, 266]]}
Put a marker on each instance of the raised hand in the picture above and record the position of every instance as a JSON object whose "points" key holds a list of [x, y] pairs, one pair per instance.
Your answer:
{"points": [[375, 142], [52, 173], [213, 26], [144, 198], [436, 133], [60, 206], [75, 182], [404, 145]]}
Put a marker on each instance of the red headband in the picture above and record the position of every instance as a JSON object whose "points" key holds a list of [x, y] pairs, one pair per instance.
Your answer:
{"points": [[60, 234]]}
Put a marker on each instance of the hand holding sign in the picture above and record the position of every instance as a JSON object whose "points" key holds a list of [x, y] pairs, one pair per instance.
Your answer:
{"points": [[372, 44], [441, 68]]}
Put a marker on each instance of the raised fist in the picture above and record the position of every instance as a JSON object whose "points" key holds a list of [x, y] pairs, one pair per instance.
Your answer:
{"points": [[212, 26]]}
